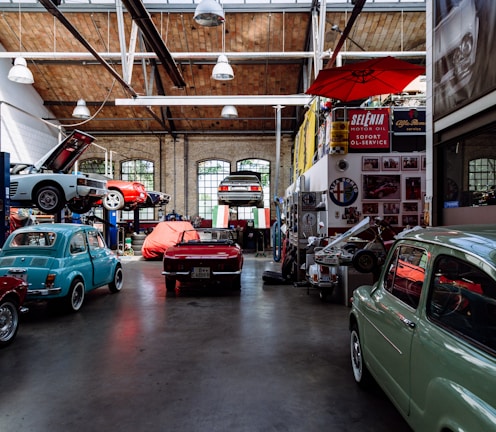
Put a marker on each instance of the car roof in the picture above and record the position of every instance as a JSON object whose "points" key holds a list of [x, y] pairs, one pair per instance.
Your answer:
{"points": [[54, 227], [476, 239]]}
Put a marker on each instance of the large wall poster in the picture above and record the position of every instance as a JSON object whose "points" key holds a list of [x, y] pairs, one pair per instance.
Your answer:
{"points": [[463, 53]]}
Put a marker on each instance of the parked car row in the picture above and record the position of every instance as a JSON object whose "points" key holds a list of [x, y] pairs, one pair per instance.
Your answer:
{"points": [[49, 184], [58, 263]]}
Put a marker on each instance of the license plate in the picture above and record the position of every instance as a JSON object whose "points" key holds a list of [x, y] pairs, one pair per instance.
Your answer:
{"points": [[19, 273], [200, 273]]}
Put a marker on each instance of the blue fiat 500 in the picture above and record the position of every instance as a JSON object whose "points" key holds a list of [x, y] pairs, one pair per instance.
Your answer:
{"points": [[61, 262]]}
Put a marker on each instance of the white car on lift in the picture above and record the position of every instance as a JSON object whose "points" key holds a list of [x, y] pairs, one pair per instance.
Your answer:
{"points": [[49, 185]]}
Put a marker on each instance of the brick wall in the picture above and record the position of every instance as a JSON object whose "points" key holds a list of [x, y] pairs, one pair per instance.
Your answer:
{"points": [[176, 160]]}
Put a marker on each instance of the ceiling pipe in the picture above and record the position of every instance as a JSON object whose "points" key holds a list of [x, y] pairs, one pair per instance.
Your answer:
{"points": [[213, 56], [243, 100]]}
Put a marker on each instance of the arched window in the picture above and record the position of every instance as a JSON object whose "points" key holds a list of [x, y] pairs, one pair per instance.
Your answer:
{"points": [[138, 170], [210, 174], [142, 171], [259, 166]]}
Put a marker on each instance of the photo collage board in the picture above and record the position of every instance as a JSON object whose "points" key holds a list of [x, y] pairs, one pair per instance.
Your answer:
{"points": [[392, 189]]}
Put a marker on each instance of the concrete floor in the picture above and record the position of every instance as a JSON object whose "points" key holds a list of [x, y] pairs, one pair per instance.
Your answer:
{"points": [[270, 358]]}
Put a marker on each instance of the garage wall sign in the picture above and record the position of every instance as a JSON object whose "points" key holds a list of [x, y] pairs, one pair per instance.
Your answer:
{"points": [[343, 191], [368, 129]]}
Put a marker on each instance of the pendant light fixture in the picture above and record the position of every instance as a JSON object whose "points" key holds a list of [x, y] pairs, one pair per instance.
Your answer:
{"points": [[229, 111], [81, 111], [223, 71], [20, 72], [209, 13]]}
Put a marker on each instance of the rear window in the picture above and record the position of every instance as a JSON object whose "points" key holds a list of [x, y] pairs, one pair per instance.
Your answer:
{"points": [[34, 238], [252, 179]]}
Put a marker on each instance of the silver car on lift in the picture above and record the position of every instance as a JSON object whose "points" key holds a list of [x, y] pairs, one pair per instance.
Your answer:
{"points": [[241, 189], [49, 184]]}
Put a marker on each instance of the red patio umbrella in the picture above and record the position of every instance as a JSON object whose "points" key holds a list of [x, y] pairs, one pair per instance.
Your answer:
{"points": [[363, 79]]}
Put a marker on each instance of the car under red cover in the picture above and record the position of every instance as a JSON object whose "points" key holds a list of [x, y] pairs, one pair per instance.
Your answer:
{"points": [[164, 235], [205, 258]]}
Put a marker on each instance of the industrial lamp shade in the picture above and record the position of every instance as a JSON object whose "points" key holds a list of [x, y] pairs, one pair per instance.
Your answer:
{"points": [[81, 111], [222, 70], [20, 73], [209, 13], [229, 111]]}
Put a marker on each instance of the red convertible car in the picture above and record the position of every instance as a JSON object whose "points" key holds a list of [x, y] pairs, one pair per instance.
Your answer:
{"points": [[204, 257], [12, 294]]}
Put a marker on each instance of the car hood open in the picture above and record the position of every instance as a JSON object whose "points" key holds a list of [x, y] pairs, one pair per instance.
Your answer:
{"points": [[63, 156]]}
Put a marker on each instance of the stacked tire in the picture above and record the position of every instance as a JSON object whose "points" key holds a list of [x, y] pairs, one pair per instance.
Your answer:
{"points": [[137, 240]]}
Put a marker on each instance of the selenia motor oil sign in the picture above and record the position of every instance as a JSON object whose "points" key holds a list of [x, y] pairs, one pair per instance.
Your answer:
{"points": [[369, 129]]}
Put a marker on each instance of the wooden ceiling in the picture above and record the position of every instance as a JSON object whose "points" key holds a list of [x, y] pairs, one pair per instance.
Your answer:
{"points": [[267, 48]]}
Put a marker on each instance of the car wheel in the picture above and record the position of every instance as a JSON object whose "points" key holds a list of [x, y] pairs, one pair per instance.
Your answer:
{"points": [[116, 284], [114, 200], [75, 298], [350, 248], [360, 371], [49, 199], [364, 261], [170, 284], [80, 207], [9, 322]]}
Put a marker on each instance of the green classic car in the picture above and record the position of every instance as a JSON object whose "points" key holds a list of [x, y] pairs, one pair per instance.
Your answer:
{"points": [[426, 330]]}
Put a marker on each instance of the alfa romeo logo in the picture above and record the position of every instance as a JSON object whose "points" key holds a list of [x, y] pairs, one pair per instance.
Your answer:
{"points": [[343, 191]]}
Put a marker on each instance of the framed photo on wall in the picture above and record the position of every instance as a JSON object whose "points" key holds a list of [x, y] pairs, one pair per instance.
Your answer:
{"points": [[410, 207], [391, 220], [391, 208], [370, 209], [370, 163], [412, 188], [390, 163], [381, 187], [411, 220], [410, 163]]}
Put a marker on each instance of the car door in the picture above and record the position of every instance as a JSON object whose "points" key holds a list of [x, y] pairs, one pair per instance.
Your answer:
{"points": [[100, 258], [393, 318]]}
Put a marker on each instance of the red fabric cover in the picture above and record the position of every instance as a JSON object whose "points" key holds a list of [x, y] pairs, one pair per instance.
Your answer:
{"points": [[164, 235]]}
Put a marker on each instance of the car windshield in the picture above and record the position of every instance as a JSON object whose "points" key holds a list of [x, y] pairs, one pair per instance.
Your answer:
{"points": [[204, 236], [33, 238]]}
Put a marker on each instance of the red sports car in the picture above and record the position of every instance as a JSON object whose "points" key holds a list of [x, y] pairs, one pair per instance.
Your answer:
{"points": [[12, 294], [124, 195], [204, 257]]}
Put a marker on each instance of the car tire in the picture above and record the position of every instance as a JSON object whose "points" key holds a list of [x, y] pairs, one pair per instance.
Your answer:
{"points": [[114, 200], [9, 322], [360, 371], [365, 261], [116, 285], [49, 199], [75, 297], [170, 284]]}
